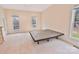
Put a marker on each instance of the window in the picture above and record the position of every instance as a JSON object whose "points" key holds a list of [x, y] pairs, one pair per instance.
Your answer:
{"points": [[15, 22], [74, 31], [33, 21]]}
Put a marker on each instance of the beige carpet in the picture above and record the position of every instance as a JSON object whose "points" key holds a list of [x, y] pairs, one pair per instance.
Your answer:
{"points": [[23, 43]]}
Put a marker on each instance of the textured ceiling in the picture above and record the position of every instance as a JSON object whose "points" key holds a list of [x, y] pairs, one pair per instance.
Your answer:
{"points": [[26, 7]]}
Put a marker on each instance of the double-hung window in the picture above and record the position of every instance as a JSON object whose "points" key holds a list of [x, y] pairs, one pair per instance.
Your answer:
{"points": [[15, 23]]}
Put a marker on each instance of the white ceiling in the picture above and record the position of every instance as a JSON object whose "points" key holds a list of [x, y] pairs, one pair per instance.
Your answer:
{"points": [[26, 7]]}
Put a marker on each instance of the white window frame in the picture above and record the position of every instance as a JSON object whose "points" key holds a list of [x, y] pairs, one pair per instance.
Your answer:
{"points": [[34, 22], [17, 19], [72, 23]]}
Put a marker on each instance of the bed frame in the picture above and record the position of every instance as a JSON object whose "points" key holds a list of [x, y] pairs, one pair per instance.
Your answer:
{"points": [[43, 33]]}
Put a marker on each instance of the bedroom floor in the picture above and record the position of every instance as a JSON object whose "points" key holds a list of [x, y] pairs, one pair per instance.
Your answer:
{"points": [[23, 43]]}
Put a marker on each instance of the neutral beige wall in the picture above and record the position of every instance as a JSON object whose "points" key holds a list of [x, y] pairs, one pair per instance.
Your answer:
{"points": [[25, 19], [1, 17], [58, 17]]}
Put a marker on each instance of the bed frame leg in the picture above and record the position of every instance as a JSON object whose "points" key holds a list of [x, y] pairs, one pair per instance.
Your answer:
{"points": [[56, 37], [48, 40], [37, 42]]}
